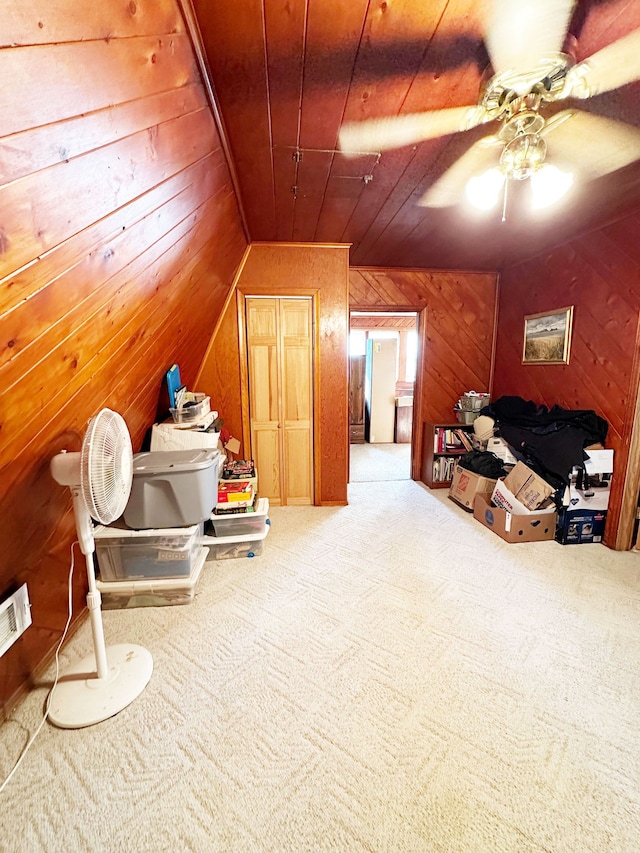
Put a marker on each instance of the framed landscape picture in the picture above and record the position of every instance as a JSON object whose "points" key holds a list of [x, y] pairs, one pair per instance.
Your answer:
{"points": [[547, 337]]}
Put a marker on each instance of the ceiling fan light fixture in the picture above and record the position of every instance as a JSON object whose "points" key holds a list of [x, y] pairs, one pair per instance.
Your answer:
{"points": [[548, 185], [483, 191], [523, 156]]}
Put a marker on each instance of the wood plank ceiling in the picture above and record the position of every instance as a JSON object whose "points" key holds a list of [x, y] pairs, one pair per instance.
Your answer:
{"points": [[288, 74]]}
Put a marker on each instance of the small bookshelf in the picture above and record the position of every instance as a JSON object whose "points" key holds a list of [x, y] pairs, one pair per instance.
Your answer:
{"points": [[442, 444]]}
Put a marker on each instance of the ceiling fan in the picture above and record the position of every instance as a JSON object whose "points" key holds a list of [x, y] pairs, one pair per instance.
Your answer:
{"points": [[524, 40]]}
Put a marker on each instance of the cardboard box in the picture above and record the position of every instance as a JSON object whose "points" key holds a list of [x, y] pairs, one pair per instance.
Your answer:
{"points": [[584, 515], [467, 484], [503, 498], [529, 527], [499, 447], [578, 526], [599, 461], [169, 436], [596, 497], [528, 487]]}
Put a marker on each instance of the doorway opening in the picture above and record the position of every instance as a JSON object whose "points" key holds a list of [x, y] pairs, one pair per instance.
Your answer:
{"points": [[383, 356]]}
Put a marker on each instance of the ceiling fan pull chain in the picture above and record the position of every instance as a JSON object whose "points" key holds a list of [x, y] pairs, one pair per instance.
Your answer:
{"points": [[504, 202]]}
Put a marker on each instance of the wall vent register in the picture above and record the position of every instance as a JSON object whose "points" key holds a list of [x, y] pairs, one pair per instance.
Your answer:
{"points": [[15, 618]]}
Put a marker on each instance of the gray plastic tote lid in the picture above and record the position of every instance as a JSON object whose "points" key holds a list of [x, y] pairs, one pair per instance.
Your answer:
{"points": [[162, 461]]}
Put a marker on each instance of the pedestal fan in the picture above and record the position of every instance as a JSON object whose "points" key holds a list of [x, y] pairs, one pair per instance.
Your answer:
{"points": [[99, 476]]}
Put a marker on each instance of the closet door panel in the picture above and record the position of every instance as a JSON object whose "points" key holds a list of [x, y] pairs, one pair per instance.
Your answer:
{"points": [[280, 356]]}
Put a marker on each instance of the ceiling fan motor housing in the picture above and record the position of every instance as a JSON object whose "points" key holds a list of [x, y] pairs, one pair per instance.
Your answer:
{"points": [[515, 98], [546, 82]]}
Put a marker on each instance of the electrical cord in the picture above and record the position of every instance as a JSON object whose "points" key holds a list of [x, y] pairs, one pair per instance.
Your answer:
{"points": [[57, 675]]}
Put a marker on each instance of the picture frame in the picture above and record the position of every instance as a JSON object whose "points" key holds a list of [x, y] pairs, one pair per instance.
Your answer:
{"points": [[547, 337]]}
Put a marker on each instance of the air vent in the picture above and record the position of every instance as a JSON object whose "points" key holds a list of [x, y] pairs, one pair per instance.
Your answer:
{"points": [[15, 618]]}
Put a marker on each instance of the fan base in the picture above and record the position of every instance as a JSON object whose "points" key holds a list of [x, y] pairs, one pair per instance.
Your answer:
{"points": [[82, 699]]}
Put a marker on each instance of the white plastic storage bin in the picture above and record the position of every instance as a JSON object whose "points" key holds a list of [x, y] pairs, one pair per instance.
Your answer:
{"points": [[172, 488], [230, 547], [157, 553], [242, 523], [117, 595], [193, 413]]}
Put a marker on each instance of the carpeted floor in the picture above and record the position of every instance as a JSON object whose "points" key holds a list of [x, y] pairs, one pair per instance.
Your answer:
{"points": [[370, 463], [387, 676]]}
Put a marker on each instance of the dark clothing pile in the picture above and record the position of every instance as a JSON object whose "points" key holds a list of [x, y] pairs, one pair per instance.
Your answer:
{"points": [[484, 463], [550, 441]]}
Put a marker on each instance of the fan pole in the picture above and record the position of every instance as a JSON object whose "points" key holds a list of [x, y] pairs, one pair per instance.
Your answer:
{"points": [[94, 600], [84, 529]]}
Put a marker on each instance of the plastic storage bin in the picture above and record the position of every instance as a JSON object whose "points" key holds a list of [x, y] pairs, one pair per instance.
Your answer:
{"points": [[117, 595], [134, 554], [242, 523], [466, 417], [473, 401], [230, 547], [172, 488], [191, 414]]}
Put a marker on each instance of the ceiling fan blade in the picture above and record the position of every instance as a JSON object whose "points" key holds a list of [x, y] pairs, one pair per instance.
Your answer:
{"points": [[609, 68], [450, 188], [381, 134], [590, 145], [518, 33]]}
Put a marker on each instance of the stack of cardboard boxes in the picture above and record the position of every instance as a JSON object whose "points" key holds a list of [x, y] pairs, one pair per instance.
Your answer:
{"points": [[520, 507], [523, 507]]}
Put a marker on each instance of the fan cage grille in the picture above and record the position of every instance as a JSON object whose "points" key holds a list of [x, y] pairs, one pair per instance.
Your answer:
{"points": [[106, 466]]}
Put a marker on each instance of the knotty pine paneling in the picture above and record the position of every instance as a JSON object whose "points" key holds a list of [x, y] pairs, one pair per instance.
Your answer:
{"points": [[598, 275], [234, 41], [273, 269], [120, 236], [46, 22], [456, 351]]}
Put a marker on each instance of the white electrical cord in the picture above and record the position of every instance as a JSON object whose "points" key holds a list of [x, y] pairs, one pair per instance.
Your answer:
{"points": [[55, 681]]}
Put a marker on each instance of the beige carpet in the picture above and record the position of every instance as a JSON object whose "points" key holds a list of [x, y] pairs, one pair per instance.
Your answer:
{"points": [[369, 463], [387, 676]]}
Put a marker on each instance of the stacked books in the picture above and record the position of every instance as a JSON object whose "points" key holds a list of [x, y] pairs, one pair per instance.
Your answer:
{"points": [[450, 440], [235, 495], [239, 469], [237, 488]]}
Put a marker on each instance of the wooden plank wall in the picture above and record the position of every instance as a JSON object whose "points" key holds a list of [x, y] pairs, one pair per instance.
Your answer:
{"points": [[598, 274], [273, 269], [119, 238], [457, 347]]}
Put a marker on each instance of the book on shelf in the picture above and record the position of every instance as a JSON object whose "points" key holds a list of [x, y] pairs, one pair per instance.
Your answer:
{"points": [[443, 468], [464, 439], [450, 440]]}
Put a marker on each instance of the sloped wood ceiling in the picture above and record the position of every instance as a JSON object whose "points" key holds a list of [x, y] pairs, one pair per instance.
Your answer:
{"points": [[288, 74], [119, 239]]}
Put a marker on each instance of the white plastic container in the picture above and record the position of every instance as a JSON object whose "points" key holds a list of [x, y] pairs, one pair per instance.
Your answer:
{"points": [[135, 554], [192, 414], [117, 595], [172, 488], [231, 547], [242, 523]]}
